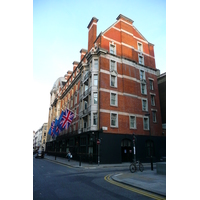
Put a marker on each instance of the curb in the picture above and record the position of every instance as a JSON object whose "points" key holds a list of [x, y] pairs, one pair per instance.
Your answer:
{"points": [[137, 187]]}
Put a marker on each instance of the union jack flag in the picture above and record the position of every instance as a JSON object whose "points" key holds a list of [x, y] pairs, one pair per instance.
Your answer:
{"points": [[52, 127], [56, 129], [65, 121]]}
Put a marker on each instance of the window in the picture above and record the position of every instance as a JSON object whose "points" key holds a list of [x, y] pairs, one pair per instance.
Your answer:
{"points": [[113, 99], [85, 122], [152, 100], [85, 105], [112, 49], [143, 88], [146, 123], [96, 64], [89, 123], [142, 76], [43, 141], [95, 97], [140, 48], [94, 118], [75, 101], [141, 59], [71, 103], [154, 116], [112, 65], [151, 84], [113, 80], [86, 87], [95, 79], [144, 104], [132, 122], [75, 113], [114, 120]]}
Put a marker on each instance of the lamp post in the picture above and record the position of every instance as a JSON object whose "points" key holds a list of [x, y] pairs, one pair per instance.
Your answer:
{"points": [[151, 157], [134, 148]]}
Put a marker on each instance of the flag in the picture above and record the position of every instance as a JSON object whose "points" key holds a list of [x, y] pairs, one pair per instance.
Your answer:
{"points": [[66, 119], [49, 132], [56, 129], [52, 127]]}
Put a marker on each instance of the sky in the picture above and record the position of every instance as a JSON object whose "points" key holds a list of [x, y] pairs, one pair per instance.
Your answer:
{"points": [[60, 32]]}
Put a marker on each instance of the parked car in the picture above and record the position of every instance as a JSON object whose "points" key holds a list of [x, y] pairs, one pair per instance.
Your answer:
{"points": [[39, 154]]}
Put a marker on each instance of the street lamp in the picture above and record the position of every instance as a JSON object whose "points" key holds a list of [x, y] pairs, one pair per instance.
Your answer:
{"points": [[151, 157], [134, 148]]}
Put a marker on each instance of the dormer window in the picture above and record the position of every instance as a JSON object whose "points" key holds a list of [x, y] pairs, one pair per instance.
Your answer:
{"points": [[140, 47], [112, 49]]}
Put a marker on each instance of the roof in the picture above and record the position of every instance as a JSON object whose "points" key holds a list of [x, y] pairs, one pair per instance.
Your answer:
{"points": [[57, 83]]}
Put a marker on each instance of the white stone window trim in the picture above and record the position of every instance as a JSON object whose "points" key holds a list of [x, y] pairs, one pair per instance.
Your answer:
{"points": [[92, 117], [115, 67], [135, 127], [146, 104], [147, 123], [95, 75], [145, 91], [152, 84], [115, 75], [116, 99], [144, 75], [138, 44], [116, 120], [114, 45], [153, 95], [95, 92], [140, 55], [154, 111], [93, 62]]}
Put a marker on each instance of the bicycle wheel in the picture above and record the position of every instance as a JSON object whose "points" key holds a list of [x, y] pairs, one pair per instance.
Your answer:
{"points": [[141, 168], [132, 168]]}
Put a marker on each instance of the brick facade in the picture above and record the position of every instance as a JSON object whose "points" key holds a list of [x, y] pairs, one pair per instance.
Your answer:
{"points": [[111, 89]]}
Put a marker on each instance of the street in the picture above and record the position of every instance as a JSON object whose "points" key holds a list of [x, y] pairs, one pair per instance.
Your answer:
{"points": [[57, 181]]}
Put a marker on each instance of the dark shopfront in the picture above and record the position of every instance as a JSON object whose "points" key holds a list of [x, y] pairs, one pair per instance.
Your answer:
{"points": [[111, 148], [82, 146]]}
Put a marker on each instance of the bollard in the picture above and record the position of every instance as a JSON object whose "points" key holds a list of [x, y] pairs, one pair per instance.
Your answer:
{"points": [[80, 161]]}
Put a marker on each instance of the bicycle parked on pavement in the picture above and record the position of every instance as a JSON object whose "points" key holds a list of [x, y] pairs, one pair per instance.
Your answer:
{"points": [[135, 165]]}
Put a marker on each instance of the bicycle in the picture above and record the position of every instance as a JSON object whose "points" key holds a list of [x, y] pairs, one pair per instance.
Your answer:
{"points": [[135, 165]]}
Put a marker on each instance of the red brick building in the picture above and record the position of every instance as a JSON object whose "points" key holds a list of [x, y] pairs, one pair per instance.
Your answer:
{"points": [[113, 91]]}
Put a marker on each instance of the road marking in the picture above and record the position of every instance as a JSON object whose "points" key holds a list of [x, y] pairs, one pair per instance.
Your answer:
{"points": [[118, 174], [56, 162], [133, 189]]}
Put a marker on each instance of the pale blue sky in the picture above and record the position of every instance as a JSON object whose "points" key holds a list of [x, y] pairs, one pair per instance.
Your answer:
{"points": [[60, 32]]}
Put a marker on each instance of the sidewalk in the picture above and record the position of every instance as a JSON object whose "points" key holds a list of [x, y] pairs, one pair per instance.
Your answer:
{"points": [[147, 180]]}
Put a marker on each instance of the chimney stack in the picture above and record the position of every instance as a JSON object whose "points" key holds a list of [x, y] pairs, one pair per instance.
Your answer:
{"points": [[92, 32], [75, 64], [83, 52]]}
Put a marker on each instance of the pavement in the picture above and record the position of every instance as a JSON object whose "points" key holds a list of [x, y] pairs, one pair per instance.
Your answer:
{"points": [[148, 180]]}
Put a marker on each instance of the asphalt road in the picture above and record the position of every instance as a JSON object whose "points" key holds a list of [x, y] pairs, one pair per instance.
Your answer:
{"points": [[55, 181]]}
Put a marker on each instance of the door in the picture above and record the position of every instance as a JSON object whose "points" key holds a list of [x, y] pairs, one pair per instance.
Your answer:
{"points": [[126, 150]]}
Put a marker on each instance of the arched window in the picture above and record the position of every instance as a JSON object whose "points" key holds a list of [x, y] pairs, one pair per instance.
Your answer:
{"points": [[125, 143]]}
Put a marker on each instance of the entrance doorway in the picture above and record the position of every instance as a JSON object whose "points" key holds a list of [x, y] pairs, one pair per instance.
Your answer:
{"points": [[126, 150]]}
